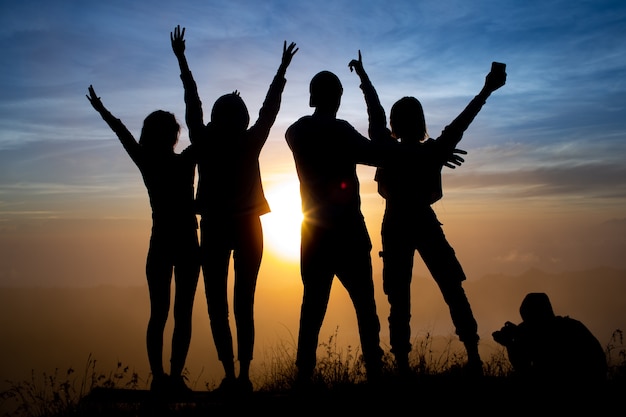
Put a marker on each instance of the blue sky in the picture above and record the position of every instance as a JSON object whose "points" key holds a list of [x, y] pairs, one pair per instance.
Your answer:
{"points": [[543, 186], [554, 138]]}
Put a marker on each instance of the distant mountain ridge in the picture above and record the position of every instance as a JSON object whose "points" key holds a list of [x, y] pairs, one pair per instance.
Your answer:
{"points": [[48, 328], [597, 297]]}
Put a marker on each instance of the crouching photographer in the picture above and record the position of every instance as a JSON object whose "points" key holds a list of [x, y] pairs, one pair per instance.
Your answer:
{"points": [[547, 348]]}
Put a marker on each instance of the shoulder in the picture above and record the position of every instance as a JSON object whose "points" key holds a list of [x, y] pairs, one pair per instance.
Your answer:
{"points": [[344, 128], [301, 121], [305, 119], [343, 123], [298, 129], [298, 123], [189, 151], [571, 325], [431, 143]]}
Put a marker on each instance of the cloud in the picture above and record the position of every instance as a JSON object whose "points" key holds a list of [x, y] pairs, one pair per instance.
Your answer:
{"points": [[515, 256], [556, 129]]}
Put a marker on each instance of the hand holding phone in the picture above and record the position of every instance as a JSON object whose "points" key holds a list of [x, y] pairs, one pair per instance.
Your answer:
{"points": [[497, 77], [498, 67]]}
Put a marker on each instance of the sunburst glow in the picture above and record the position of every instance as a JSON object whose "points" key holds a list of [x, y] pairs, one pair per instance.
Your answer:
{"points": [[281, 227]]}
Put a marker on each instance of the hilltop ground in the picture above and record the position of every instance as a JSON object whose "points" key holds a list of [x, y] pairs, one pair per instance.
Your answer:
{"points": [[442, 394]]}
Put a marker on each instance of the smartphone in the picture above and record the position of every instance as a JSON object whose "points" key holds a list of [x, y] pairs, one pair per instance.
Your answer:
{"points": [[498, 67]]}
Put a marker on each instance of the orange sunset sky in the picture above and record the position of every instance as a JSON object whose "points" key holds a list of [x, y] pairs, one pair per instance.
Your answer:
{"points": [[542, 192]]}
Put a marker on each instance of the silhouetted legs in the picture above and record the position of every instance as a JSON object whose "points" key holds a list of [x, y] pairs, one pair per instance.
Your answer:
{"points": [[186, 281], [447, 272], [424, 234], [324, 255], [178, 253], [159, 281], [243, 238], [356, 276], [397, 275], [314, 303]]}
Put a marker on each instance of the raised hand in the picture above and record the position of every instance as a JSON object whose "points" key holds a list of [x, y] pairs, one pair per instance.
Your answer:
{"points": [[357, 65], [95, 100], [288, 53], [178, 41], [454, 160], [496, 77]]}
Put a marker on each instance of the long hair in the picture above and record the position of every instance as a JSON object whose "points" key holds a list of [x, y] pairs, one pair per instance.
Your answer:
{"points": [[407, 119], [160, 131]]}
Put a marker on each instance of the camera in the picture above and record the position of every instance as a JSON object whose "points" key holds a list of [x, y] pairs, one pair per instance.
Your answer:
{"points": [[506, 335]]}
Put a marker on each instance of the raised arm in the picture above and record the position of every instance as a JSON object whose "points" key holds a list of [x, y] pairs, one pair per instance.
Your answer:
{"points": [[126, 138], [193, 113], [271, 104], [453, 133], [288, 53], [377, 129]]}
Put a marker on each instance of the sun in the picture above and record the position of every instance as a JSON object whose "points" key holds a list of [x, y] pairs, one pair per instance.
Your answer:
{"points": [[281, 226]]}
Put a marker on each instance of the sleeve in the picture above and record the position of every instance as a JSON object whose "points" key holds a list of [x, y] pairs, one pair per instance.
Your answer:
{"points": [[126, 138], [364, 150], [193, 107], [377, 128], [269, 110], [453, 133]]}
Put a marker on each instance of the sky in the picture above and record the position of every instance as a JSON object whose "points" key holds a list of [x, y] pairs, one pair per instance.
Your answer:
{"points": [[543, 185]]}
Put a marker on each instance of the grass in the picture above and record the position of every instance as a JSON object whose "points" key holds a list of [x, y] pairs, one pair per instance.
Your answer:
{"points": [[58, 393], [436, 378]]}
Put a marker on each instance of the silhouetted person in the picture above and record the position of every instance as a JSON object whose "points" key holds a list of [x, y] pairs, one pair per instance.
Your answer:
{"points": [[410, 223], [169, 179], [334, 237], [552, 350], [230, 201]]}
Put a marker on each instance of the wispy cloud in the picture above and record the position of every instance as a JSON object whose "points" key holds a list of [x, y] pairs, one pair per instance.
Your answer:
{"points": [[557, 128]]}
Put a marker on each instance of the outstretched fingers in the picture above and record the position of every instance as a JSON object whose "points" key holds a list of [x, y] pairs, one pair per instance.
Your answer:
{"points": [[288, 52], [92, 94], [94, 99], [178, 33], [454, 160], [178, 39]]}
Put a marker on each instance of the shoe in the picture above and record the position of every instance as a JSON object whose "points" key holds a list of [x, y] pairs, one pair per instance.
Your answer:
{"points": [[303, 383], [227, 386], [402, 366], [474, 369], [160, 384], [178, 386], [244, 386]]}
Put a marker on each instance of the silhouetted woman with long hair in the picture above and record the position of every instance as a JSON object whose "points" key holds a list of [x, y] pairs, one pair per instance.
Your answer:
{"points": [[174, 248], [230, 201]]}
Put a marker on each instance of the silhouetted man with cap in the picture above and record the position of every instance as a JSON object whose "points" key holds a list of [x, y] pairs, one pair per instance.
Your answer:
{"points": [[334, 238]]}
